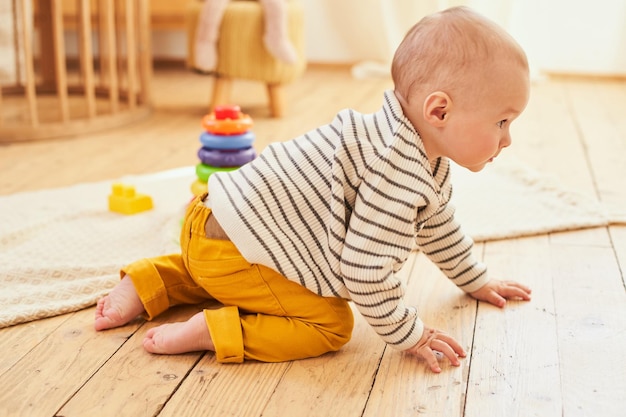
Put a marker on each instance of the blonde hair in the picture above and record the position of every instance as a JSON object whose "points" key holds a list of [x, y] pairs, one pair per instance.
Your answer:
{"points": [[444, 50]]}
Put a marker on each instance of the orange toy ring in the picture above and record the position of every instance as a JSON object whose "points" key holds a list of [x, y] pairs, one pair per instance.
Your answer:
{"points": [[227, 126]]}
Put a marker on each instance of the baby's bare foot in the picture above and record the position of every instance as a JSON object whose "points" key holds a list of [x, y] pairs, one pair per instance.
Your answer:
{"points": [[119, 307], [189, 336]]}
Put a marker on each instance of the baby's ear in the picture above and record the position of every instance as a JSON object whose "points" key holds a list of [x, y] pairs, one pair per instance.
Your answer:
{"points": [[436, 107]]}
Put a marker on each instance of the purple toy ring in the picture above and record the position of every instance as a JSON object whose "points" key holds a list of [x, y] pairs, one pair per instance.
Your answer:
{"points": [[226, 158]]}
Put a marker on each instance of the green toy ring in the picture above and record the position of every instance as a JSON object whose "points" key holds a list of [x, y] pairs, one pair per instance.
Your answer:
{"points": [[204, 171]]}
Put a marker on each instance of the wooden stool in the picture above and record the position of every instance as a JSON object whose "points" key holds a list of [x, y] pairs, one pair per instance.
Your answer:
{"points": [[241, 53], [110, 87]]}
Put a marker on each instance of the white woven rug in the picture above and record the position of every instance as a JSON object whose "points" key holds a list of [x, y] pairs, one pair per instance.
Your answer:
{"points": [[61, 249]]}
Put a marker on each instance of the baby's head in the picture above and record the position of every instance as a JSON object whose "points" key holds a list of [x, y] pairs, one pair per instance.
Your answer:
{"points": [[449, 51], [451, 65]]}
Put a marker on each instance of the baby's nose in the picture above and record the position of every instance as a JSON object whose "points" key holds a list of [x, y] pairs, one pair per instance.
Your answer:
{"points": [[505, 141]]}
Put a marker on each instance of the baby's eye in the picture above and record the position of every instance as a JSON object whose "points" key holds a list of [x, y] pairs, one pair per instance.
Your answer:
{"points": [[501, 123]]}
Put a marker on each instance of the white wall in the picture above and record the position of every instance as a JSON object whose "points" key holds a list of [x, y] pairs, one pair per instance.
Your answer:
{"points": [[558, 35], [573, 36]]}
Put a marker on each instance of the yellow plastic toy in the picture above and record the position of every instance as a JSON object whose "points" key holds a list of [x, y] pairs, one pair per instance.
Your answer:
{"points": [[198, 187], [125, 200]]}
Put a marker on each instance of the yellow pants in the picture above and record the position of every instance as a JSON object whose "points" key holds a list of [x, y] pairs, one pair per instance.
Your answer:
{"points": [[265, 317]]}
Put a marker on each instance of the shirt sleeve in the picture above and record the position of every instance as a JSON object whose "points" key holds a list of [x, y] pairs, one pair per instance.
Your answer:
{"points": [[442, 240], [379, 237]]}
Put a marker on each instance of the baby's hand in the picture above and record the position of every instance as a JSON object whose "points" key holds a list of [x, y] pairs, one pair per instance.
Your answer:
{"points": [[435, 340], [497, 292]]}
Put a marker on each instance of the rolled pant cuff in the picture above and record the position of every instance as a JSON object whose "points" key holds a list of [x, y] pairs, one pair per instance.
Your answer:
{"points": [[225, 328], [150, 287]]}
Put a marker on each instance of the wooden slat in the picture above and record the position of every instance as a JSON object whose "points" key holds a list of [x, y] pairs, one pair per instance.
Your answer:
{"points": [[47, 58], [145, 47], [27, 43], [99, 19], [131, 53], [109, 53], [59, 58], [86, 55], [16, 7]]}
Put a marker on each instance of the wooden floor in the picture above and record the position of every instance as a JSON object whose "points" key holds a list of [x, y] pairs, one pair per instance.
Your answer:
{"points": [[563, 354]]}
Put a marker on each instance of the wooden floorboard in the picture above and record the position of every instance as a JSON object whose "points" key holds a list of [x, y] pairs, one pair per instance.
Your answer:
{"points": [[404, 386], [591, 325], [236, 389], [515, 364], [618, 239], [131, 382], [44, 379], [17, 341], [562, 354]]}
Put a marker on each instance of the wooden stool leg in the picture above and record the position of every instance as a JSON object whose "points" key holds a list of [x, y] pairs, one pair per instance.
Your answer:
{"points": [[277, 99], [221, 92]]}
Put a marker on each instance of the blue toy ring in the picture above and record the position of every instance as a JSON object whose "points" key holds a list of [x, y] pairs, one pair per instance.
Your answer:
{"points": [[224, 158], [209, 140]]}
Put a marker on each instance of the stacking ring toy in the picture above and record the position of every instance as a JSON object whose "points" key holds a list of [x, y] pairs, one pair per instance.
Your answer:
{"points": [[212, 124], [224, 158], [227, 111], [212, 141], [204, 171], [198, 187]]}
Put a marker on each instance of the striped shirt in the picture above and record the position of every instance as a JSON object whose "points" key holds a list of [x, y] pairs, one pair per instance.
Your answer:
{"points": [[339, 210]]}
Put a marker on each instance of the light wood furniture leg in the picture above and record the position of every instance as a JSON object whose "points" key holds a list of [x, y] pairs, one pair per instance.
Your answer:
{"points": [[276, 99], [222, 87]]}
